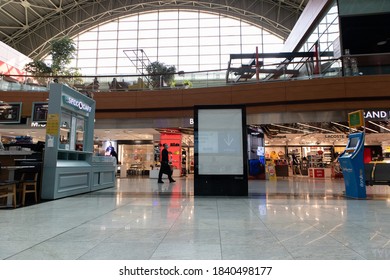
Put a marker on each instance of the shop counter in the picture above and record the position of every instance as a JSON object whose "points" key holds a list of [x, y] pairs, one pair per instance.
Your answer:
{"points": [[281, 170], [320, 172]]}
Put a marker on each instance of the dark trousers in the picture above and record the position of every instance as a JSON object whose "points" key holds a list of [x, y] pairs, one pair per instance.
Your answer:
{"points": [[165, 169]]}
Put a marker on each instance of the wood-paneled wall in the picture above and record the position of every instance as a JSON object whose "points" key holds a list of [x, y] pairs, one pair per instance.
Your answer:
{"points": [[341, 93]]}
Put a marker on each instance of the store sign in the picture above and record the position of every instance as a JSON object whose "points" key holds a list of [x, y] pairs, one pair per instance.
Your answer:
{"points": [[77, 103], [378, 114], [335, 136], [37, 124]]}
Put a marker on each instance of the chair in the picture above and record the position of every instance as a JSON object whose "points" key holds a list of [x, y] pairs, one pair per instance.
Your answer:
{"points": [[8, 188], [28, 184], [5, 192]]}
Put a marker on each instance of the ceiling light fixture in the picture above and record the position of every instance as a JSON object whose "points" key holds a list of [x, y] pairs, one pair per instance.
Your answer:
{"points": [[303, 124], [372, 130], [339, 124], [282, 126], [378, 125]]}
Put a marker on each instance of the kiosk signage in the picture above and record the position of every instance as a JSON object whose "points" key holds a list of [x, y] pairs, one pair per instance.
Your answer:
{"points": [[352, 164]]}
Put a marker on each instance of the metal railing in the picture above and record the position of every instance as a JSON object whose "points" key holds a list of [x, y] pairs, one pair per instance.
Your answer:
{"points": [[199, 79]]}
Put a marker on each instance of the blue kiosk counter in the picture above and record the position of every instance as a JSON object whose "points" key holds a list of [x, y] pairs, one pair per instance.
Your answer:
{"points": [[352, 165], [69, 165]]}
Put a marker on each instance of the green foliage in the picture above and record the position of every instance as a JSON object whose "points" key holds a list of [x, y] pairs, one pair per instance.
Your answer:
{"points": [[184, 83], [62, 51], [39, 69], [159, 72], [187, 83]]}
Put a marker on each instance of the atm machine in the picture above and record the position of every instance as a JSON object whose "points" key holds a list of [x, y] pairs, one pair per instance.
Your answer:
{"points": [[352, 165]]}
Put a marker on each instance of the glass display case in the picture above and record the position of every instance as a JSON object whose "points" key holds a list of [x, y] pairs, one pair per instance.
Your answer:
{"points": [[71, 132]]}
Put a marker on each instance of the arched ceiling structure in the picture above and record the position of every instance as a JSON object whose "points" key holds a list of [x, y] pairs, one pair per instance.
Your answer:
{"points": [[29, 25]]}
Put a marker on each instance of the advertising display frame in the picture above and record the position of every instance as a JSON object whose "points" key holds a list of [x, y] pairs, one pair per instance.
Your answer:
{"points": [[228, 178]]}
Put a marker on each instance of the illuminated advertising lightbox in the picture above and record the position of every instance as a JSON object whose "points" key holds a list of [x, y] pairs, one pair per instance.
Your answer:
{"points": [[220, 147]]}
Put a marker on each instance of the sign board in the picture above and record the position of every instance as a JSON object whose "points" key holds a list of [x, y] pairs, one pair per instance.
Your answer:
{"points": [[356, 119], [53, 123], [10, 112]]}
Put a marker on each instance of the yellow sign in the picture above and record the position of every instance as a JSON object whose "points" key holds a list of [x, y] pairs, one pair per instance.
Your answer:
{"points": [[53, 123], [356, 119]]}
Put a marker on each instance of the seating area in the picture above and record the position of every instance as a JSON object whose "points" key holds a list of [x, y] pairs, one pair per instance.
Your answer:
{"points": [[8, 189], [16, 191], [22, 186]]}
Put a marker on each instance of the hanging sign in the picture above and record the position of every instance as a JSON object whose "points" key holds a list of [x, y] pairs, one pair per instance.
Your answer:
{"points": [[356, 119]]}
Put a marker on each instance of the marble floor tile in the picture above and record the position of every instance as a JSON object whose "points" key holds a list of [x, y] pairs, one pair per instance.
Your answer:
{"points": [[53, 250], [293, 218], [187, 251], [120, 251], [272, 251]]}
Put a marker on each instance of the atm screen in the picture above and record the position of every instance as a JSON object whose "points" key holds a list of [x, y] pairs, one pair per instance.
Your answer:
{"points": [[353, 142]]}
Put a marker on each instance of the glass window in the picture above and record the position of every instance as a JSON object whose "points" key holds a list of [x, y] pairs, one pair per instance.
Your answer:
{"points": [[148, 17], [188, 23], [103, 62], [111, 26], [188, 32], [107, 35], [87, 45], [214, 41], [231, 31], [86, 53], [127, 44], [168, 15], [80, 129], [173, 37], [184, 51], [183, 15], [169, 42], [209, 31], [89, 35], [127, 34]]}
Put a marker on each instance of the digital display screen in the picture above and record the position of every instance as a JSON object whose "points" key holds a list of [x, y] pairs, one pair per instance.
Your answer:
{"points": [[220, 147], [39, 112], [10, 112], [353, 142]]}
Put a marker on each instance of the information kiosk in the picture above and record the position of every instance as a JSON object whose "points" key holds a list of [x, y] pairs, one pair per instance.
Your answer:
{"points": [[352, 165]]}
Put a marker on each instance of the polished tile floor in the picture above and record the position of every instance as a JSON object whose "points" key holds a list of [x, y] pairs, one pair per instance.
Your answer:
{"points": [[293, 218]]}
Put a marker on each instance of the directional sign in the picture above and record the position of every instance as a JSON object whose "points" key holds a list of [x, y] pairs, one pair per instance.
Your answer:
{"points": [[229, 142]]}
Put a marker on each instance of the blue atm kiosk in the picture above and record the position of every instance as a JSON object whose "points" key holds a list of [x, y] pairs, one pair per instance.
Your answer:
{"points": [[352, 165]]}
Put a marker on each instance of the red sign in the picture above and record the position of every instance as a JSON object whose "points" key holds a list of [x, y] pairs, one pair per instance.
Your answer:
{"points": [[319, 173]]}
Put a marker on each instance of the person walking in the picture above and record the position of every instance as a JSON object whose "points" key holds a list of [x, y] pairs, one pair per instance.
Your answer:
{"points": [[165, 168]]}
